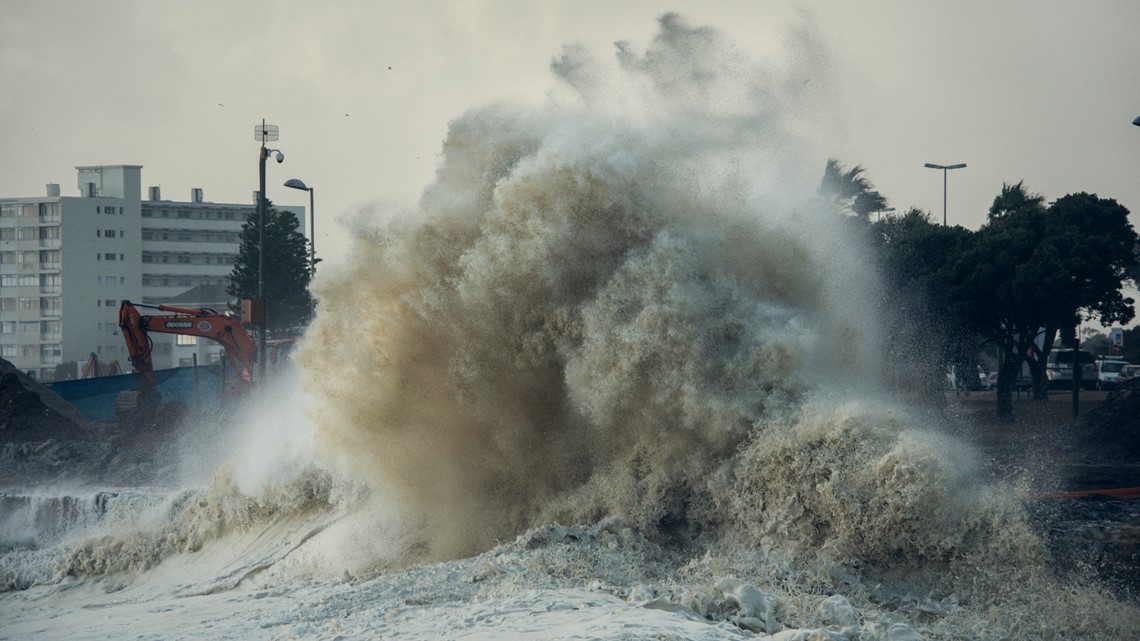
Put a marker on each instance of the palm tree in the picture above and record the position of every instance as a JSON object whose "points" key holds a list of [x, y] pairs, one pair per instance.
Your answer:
{"points": [[849, 191], [1014, 198]]}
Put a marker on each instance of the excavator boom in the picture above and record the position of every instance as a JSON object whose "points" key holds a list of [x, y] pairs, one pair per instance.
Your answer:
{"points": [[206, 323]]}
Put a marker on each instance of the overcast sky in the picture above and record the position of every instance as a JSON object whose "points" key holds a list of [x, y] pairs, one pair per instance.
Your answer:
{"points": [[362, 91]]}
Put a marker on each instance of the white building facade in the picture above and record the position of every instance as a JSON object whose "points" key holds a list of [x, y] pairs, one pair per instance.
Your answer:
{"points": [[66, 263]]}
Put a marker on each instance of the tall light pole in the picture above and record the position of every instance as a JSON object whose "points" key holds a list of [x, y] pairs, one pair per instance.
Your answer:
{"points": [[263, 132], [945, 169], [295, 183]]}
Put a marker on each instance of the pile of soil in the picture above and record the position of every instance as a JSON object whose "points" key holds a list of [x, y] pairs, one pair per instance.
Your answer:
{"points": [[1111, 432], [31, 412], [44, 438]]}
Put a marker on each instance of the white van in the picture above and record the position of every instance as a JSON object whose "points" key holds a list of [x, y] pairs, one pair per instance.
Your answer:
{"points": [[1059, 368], [1107, 371]]}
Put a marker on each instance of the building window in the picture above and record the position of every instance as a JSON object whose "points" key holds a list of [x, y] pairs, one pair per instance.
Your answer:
{"points": [[183, 259], [8, 280], [109, 256], [49, 283], [49, 212], [50, 306], [184, 340], [29, 233], [8, 233], [8, 327]]}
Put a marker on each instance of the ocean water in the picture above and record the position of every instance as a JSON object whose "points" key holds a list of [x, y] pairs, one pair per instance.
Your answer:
{"points": [[616, 375]]}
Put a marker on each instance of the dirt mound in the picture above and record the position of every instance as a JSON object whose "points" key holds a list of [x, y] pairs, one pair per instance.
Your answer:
{"points": [[1111, 432], [31, 412]]}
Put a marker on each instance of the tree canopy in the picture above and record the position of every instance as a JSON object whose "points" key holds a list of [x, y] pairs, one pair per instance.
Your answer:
{"points": [[1028, 272], [287, 270]]}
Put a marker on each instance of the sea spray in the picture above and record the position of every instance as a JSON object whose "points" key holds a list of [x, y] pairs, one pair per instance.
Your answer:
{"points": [[592, 308], [599, 313]]}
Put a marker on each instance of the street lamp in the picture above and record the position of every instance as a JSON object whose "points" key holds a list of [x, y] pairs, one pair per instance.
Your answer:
{"points": [[945, 169], [294, 183], [263, 133]]}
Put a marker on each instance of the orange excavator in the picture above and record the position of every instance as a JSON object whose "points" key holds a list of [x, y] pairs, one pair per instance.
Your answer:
{"points": [[142, 405]]}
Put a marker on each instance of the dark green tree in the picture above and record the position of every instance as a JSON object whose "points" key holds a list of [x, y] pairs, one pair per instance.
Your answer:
{"points": [[917, 258], [1032, 269], [287, 270], [1131, 351]]}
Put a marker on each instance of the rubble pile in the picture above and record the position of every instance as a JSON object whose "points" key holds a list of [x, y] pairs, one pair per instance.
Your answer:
{"points": [[1111, 432], [31, 412]]}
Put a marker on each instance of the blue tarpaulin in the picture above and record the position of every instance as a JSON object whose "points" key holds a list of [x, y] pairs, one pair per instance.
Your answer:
{"points": [[198, 387]]}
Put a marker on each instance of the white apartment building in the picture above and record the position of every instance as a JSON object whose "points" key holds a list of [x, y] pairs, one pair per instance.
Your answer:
{"points": [[66, 263]]}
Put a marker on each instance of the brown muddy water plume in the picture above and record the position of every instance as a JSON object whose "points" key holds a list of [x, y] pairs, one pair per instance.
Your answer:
{"points": [[604, 304], [624, 306]]}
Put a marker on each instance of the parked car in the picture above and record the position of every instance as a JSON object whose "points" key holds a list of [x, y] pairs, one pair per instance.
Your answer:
{"points": [[1107, 372], [1059, 368], [1128, 373]]}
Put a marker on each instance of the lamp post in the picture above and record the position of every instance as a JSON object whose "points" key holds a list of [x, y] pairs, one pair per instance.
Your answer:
{"points": [[264, 133], [945, 169], [294, 183]]}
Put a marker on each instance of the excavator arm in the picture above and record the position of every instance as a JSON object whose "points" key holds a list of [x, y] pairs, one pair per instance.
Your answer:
{"points": [[206, 323]]}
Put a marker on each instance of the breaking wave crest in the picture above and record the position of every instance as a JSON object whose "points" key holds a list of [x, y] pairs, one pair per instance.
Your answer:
{"points": [[584, 290]]}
